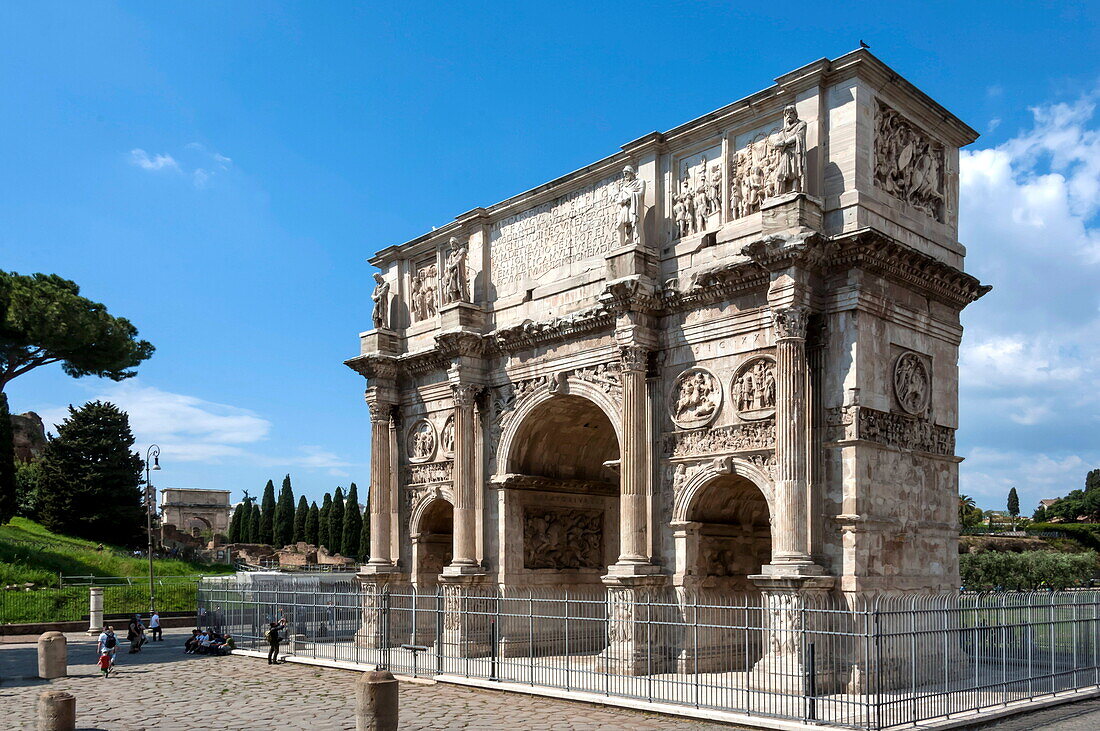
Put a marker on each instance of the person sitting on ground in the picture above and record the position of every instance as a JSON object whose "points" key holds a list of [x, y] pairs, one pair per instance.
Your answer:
{"points": [[191, 643], [206, 643], [228, 646]]}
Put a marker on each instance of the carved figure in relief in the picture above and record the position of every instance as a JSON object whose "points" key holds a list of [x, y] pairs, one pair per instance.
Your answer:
{"points": [[447, 436], [701, 202], [423, 293], [421, 441], [697, 396], [455, 288], [561, 538], [754, 389], [381, 298], [790, 142], [714, 191], [631, 201], [912, 384], [680, 214], [908, 165]]}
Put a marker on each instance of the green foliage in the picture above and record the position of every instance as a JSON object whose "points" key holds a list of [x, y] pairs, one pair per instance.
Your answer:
{"points": [[1087, 534], [235, 523], [267, 515], [353, 524], [8, 498], [1078, 505], [970, 514], [29, 552], [28, 493], [324, 536], [300, 515], [313, 519], [254, 524], [284, 515], [1040, 515], [43, 320], [1025, 571], [336, 522], [1013, 503], [91, 478]]}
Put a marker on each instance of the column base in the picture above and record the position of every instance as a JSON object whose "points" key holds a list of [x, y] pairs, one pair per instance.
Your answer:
{"points": [[638, 618], [459, 571], [374, 581], [466, 614], [790, 625]]}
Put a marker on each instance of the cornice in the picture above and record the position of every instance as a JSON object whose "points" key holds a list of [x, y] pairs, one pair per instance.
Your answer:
{"points": [[373, 366], [529, 334]]}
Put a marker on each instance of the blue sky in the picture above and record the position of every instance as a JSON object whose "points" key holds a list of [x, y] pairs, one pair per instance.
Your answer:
{"points": [[218, 172]]}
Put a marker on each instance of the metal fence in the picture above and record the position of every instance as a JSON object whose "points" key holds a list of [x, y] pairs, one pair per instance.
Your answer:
{"points": [[69, 602], [873, 664]]}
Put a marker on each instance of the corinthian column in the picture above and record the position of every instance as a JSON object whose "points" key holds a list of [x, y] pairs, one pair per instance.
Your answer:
{"points": [[381, 417], [634, 463], [464, 554], [789, 531]]}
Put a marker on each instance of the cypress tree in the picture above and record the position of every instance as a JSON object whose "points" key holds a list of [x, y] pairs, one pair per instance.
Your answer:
{"points": [[324, 538], [300, 515], [235, 524], [364, 534], [312, 521], [336, 522], [254, 524], [7, 463], [353, 524], [284, 515], [91, 478], [267, 515]]}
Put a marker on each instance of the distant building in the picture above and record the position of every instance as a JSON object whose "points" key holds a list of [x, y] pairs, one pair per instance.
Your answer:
{"points": [[195, 510]]}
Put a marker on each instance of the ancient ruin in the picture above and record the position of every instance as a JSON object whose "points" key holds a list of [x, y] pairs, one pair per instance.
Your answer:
{"points": [[195, 511], [722, 359]]}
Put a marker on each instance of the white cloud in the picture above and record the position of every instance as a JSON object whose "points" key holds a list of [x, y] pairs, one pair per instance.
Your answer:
{"points": [[158, 162], [1029, 364]]}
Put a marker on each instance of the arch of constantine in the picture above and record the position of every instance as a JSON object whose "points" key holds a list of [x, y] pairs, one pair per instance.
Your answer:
{"points": [[723, 358]]}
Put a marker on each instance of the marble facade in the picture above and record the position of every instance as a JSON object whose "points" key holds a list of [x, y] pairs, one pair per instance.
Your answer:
{"points": [[723, 358]]}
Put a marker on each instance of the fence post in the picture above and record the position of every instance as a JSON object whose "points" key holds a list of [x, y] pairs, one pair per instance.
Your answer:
{"points": [[95, 610]]}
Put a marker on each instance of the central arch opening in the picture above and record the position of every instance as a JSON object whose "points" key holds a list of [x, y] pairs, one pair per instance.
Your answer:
{"points": [[562, 494]]}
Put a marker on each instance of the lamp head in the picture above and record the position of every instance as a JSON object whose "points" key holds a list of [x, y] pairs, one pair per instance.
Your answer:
{"points": [[156, 462]]}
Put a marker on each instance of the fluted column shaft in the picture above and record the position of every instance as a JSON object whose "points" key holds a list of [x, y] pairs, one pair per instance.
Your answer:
{"points": [[380, 479], [634, 463], [790, 525], [465, 478]]}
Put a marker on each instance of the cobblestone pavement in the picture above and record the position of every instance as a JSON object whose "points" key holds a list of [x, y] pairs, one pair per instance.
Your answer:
{"points": [[161, 688], [1080, 716]]}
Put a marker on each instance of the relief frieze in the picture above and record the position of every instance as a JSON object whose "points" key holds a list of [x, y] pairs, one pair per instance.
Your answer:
{"points": [[428, 473], [749, 437], [902, 431]]}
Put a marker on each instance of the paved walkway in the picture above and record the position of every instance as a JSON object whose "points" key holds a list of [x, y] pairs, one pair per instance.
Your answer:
{"points": [[161, 688]]}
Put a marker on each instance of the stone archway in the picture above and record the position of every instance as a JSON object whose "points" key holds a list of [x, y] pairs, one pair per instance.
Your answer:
{"points": [[196, 525], [432, 541]]}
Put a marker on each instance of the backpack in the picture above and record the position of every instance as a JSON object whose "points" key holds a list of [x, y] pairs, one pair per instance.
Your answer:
{"points": [[110, 642], [272, 635]]}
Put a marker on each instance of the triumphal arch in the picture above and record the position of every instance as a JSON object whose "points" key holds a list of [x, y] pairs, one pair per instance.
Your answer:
{"points": [[723, 358]]}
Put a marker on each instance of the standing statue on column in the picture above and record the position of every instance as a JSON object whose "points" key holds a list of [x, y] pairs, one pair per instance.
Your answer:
{"points": [[454, 275], [631, 201], [791, 144], [381, 298]]}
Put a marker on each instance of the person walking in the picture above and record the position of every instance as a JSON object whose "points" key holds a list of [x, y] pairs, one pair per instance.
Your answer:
{"points": [[273, 639], [108, 643], [155, 632]]}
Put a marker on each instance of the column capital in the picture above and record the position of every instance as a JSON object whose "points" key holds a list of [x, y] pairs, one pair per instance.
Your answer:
{"points": [[790, 322], [381, 407], [465, 394], [633, 358]]}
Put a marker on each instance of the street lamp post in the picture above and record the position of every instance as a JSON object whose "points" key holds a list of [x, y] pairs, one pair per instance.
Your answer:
{"points": [[153, 454]]}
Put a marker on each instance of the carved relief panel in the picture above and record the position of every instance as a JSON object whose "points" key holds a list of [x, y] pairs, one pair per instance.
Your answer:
{"points": [[753, 389], [420, 441], [423, 291], [912, 383], [447, 437], [908, 164], [562, 538], [695, 399], [754, 167], [697, 193]]}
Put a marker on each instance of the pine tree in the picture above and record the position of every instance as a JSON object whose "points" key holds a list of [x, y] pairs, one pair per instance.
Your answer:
{"points": [[1013, 506], [267, 515], [7, 463], [284, 515], [353, 524], [235, 524], [313, 518], [91, 478], [336, 522], [300, 515], [364, 533], [254, 524], [324, 538]]}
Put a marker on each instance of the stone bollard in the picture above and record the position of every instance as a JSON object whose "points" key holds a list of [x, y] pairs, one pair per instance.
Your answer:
{"points": [[53, 655], [95, 610], [56, 711], [376, 702]]}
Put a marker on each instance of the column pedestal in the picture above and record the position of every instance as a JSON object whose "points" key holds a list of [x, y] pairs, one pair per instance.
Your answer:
{"points": [[640, 622], [793, 619], [380, 626], [468, 614]]}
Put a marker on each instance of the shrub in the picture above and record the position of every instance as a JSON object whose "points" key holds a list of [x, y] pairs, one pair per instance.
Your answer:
{"points": [[1027, 570]]}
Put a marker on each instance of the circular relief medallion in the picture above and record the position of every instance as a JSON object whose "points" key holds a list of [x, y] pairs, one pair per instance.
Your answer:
{"points": [[421, 441], [753, 388], [695, 399], [447, 437], [912, 383]]}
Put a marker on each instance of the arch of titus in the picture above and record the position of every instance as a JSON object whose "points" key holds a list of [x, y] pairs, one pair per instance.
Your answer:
{"points": [[723, 358]]}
